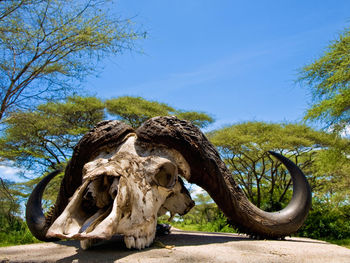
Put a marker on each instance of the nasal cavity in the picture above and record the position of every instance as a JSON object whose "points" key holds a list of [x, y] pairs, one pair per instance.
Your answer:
{"points": [[113, 190]]}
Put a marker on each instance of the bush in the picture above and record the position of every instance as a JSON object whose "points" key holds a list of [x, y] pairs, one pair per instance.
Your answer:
{"points": [[203, 217], [14, 231], [325, 222]]}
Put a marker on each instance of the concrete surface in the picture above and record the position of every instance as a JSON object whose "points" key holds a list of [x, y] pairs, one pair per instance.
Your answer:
{"points": [[183, 246]]}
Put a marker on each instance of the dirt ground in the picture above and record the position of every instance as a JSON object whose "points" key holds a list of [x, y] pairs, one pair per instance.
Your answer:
{"points": [[183, 246]]}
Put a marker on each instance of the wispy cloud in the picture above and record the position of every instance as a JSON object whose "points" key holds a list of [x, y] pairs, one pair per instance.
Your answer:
{"points": [[177, 81], [346, 132], [230, 65], [10, 173]]}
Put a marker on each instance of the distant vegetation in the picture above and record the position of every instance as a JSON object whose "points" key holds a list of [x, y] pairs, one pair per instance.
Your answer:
{"points": [[38, 136], [15, 232], [205, 216], [47, 47], [328, 80], [42, 139]]}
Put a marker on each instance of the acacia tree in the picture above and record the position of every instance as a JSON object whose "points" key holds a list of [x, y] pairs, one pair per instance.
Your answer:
{"points": [[136, 110], [264, 180], [42, 139], [11, 6], [205, 210], [45, 137], [45, 45], [332, 173], [328, 79], [11, 225], [9, 206]]}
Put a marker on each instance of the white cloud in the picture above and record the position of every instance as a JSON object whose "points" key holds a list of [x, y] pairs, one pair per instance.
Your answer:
{"points": [[10, 173], [346, 132], [197, 190], [177, 81], [194, 189]]}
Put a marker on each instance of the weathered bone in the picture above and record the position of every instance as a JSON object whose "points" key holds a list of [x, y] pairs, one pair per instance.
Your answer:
{"points": [[123, 193], [117, 182]]}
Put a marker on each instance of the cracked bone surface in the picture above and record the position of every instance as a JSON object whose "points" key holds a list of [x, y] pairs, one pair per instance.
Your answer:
{"points": [[123, 191]]}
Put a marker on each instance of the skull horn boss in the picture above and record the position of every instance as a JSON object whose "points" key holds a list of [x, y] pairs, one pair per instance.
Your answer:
{"points": [[119, 180]]}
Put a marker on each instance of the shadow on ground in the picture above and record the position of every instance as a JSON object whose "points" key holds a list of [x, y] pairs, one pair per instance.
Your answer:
{"points": [[183, 247], [115, 249]]}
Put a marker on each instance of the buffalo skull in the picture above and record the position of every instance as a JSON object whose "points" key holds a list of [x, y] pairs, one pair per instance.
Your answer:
{"points": [[120, 180]]}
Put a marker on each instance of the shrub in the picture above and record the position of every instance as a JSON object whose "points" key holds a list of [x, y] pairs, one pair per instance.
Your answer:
{"points": [[327, 222], [14, 232]]}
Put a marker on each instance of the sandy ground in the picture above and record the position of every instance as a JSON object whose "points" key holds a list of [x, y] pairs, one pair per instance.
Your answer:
{"points": [[183, 246]]}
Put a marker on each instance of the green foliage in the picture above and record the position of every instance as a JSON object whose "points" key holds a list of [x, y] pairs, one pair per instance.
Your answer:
{"points": [[9, 203], [265, 181], [15, 232], [218, 225], [44, 44], [326, 221], [50, 193], [44, 138], [323, 157], [136, 110], [332, 169], [205, 216], [199, 119], [328, 78]]}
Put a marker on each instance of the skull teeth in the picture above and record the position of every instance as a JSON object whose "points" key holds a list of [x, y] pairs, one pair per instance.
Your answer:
{"points": [[87, 243], [138, 242], [129, 241]]}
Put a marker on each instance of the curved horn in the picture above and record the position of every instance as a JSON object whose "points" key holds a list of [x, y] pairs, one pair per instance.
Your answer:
{"points": [[210, 172], [300, 204], [35, 217], [104, 134]]}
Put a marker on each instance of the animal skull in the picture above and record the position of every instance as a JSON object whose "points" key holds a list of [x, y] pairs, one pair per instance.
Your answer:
{"points": [[123, 192], [120, 179]]}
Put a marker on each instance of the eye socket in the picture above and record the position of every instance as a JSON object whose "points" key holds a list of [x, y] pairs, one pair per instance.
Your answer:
{"points": [[166, 175]]}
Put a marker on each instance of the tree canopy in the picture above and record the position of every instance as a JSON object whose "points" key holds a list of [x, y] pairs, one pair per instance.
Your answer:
{"points": [[265, 181], [136, 110], [46, 45], [328, 79], [44, 138]]}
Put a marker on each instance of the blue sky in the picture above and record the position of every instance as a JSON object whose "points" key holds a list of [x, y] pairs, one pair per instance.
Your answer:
{"points": [[235, 60]]}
